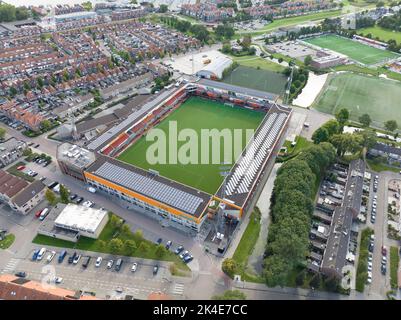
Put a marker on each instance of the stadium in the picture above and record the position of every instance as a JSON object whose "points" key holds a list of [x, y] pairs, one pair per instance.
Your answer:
{"points": [[183, 196]]}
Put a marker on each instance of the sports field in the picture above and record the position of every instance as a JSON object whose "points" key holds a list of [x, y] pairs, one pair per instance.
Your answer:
{"points": [[353, 49], [380, 98], [196, 114], [253, 78]]}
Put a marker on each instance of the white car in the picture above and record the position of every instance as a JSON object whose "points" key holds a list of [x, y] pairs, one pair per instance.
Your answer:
{"points": [[50, 256], [110, 264], [88, 204], [58, 280], [76, 259], [134, 267], [98, 262]]}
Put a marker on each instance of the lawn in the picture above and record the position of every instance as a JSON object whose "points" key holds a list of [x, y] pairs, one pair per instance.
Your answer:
{"points": [[13, 170], [394, 262], [101, 245], [285, 22], [383, 34], [356, 51], [362, 268], [264, 80], [379, 166], [7, 241], [245, 246], [258, 62], [361, 94], [302, 143], [196, 114]]}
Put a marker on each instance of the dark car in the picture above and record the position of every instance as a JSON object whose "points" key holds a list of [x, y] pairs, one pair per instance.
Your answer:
{"points": [[86, 262], [159, 240], [79, 200], [383, 269], [188, 258], [37, 145], [71, 258], [371, 247], [21, 274], [179, 250], [119, 263], [155, 269], [73, 196]]}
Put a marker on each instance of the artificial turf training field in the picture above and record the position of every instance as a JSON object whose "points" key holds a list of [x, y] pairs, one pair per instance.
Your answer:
{"points": [[353, 49], [253, 78], [195, 113], [380, 98]]}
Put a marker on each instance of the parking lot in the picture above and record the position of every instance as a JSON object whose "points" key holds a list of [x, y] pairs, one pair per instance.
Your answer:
{"points": [[102, 281]]}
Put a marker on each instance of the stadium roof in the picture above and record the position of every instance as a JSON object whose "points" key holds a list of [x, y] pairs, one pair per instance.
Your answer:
{"points": [[104, 138], [161, 189], [237, 89], [242, 177]]}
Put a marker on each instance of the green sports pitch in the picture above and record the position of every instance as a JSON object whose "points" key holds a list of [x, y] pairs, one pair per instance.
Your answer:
{"points": [[354, 50], [263, 80], [196, 114], [380, 98]]}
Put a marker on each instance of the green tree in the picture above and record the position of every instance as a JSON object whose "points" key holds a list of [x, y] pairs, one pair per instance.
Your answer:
{"points": [[138, 235], [46, 125], [144, 247], [300, 279], [229, 267], [307, 60], [160, 251], [64, 194], [51, 197], [365, 120], [342, 116], [315, 281], [332, 126], [163, 8], [368, 138], [276, 270], [320, 135], [116, 246], [129, 247], [230, 295], [115, 221], [102, 245], [391, 125]]}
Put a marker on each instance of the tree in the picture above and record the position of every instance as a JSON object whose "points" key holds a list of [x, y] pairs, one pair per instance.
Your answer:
{"points": [[276, 270], [160, 251], [342, 116], [391, 125], [129, 247], [315, 281], [116, 246], [230, 295], [2, 133], [307, 60], [115, 221], [332, 126], [64, 194], [27, 152], [368, 138], [299, 280], [102, 245], [138, 235], [46, 125], [365, 120], [229, 267], [347, 142], [144, 247], [51, 197], [163, 8], [125, 229], [246, 42]]}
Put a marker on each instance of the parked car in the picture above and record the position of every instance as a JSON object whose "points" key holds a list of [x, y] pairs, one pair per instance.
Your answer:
{"points": [[50, 256], [35, 255], [98, 262], [159, 241], [76, 259], [168, 244], [384, 251], [371, 247], [21, 274], [119, 263], [85, 264], [155, 269], [179, 250], [37, 145], [134, 267], [71, 258], [188, 258], [19, 168], [183, 254], [73, 196], [79, 200], [58, 280], [110, 264], [62, 256], [37, 214]]}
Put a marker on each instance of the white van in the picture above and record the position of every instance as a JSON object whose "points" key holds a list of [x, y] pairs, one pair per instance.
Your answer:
{"points": [[91, 189], [41, 254], [43, 214]]}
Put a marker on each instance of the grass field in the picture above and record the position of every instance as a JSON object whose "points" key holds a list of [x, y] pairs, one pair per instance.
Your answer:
{"points": [[380, 98], [383, 34], [253, 78], [354, 50], [285, 22], [255, 62], [196, 114]]}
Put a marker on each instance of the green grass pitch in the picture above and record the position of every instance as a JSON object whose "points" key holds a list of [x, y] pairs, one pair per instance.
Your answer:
{"points": [[264, 80], [196, 113], [354, 50], [380, 98]]}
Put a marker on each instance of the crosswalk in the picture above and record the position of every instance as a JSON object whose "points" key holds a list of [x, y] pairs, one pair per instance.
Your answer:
{"points": [[10, 266], [178, 289]]}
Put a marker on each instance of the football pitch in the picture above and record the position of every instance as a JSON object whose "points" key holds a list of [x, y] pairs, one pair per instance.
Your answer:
{"points": [[263, 80], [380, 98], [196, 114], [354, 50]]}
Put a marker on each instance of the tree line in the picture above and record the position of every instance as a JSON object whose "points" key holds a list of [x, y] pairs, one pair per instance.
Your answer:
{"points": [[9, 13]]}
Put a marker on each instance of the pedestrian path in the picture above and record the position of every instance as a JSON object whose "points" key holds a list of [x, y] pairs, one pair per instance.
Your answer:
{"points": [[178, 289], [10, 266]]}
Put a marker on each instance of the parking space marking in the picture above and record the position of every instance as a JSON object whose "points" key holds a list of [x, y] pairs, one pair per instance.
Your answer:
{"points": [[11, 266], [178, 289]]}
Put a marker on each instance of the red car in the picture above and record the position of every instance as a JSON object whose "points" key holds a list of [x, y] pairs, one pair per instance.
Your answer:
{"points": [[37, 214], [384, 251], [20, 168]]}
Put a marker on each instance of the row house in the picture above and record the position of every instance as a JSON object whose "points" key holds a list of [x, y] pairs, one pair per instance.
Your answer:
{"points": [[208, 12]]}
